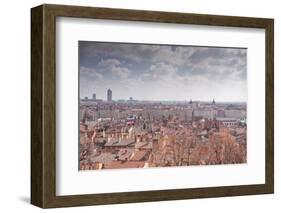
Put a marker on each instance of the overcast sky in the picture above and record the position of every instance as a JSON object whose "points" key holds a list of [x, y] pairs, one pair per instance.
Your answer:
{"points": [[162, 72]]}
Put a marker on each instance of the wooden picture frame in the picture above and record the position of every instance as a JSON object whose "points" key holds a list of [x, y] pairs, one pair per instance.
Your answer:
{"points": [[43, 105]]}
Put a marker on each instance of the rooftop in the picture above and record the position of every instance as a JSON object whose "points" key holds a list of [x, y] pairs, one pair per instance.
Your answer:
{"points": [[119, 142], [139, 155]]}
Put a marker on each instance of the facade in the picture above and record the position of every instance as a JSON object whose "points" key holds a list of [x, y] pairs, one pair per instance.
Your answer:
{"points": [[228, 122]]}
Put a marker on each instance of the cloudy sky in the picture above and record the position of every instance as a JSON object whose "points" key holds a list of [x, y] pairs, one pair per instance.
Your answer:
{"points": [[162, 72]]}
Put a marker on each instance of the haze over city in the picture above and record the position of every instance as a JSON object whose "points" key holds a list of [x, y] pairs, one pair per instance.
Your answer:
{"points": [[162, 72]]}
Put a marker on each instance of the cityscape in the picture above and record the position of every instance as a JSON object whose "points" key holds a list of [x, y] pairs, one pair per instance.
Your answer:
{"points": [[138, 129], [139, 134]]}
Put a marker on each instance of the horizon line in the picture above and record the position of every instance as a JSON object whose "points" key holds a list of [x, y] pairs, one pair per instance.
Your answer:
{"points": [[195, 100]]}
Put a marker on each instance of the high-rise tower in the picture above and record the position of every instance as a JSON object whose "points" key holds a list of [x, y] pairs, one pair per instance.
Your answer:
{"points": [[109, 95], [94, 97]]}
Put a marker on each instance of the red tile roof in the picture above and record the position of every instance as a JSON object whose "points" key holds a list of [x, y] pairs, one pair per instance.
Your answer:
{"points": [[139, 155]]}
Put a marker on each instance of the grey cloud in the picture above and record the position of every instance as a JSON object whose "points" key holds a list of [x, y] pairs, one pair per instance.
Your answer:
{"points": [[90, 73], [113, 68], [159, 71], [203, 53]]}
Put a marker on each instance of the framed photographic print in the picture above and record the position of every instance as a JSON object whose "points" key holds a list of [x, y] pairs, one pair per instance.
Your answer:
{"points": [[136, 106]]}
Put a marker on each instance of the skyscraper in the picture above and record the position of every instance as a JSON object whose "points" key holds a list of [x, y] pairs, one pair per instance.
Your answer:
{"points": [[94, 96], [109, 95]]}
